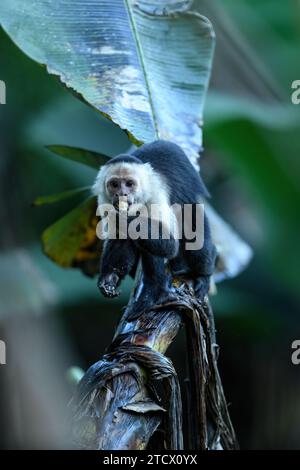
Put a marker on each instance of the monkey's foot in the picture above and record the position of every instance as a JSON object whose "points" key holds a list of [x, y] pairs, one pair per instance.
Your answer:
{"points": [[146, 303], [108, 285]]}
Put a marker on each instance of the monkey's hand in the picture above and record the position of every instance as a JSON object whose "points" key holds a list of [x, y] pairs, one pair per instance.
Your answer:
{"points": [[108, 285]]}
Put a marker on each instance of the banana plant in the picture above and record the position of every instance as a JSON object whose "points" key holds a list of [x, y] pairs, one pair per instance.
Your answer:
{"points": [[143, 64]]}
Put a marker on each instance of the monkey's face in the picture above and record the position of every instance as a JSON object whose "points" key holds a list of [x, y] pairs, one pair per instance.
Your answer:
{"points": [[130, 184], [122, 187]]}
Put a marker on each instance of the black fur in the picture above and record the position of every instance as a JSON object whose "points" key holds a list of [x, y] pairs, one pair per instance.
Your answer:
{"points": [[121, 256], [124, 158], [165, 248], [169, 160]]}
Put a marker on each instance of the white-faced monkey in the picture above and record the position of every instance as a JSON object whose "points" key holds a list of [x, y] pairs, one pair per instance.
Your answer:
{"points": [[155, 175]]}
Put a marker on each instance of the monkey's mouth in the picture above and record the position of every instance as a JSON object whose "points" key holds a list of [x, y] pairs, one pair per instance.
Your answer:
{"points": [[123, 204]]}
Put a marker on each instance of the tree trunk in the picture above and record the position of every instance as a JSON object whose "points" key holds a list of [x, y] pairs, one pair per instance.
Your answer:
{"points": [[133, 391]]}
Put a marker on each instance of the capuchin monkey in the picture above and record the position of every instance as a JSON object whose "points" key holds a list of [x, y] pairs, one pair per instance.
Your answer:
{"points": [[157, 175]]}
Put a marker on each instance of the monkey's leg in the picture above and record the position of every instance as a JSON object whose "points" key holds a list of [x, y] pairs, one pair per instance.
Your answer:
{"points": [[202, 263], [155, 289], [119, 259]]}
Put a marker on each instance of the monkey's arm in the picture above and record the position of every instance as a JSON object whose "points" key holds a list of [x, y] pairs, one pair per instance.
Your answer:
{"points": [[120, 257]]}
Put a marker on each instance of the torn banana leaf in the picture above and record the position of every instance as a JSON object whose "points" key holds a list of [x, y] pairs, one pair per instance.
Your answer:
{"points": [[124, 58]]}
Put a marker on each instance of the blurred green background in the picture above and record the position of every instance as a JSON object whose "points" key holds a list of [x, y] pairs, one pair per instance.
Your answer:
{"points": [[52, 318]]}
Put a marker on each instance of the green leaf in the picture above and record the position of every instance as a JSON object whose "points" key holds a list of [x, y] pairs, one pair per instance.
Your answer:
{"points": [[87, 157], [52, 198], [63, 240], [144, 64]]}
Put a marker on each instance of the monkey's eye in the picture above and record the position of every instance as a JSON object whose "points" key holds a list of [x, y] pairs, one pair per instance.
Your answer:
{"points": [[129, 183], [114, 184]]}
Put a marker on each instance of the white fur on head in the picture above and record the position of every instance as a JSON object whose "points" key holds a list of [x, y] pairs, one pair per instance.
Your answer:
{"points": [[151, 188]]}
